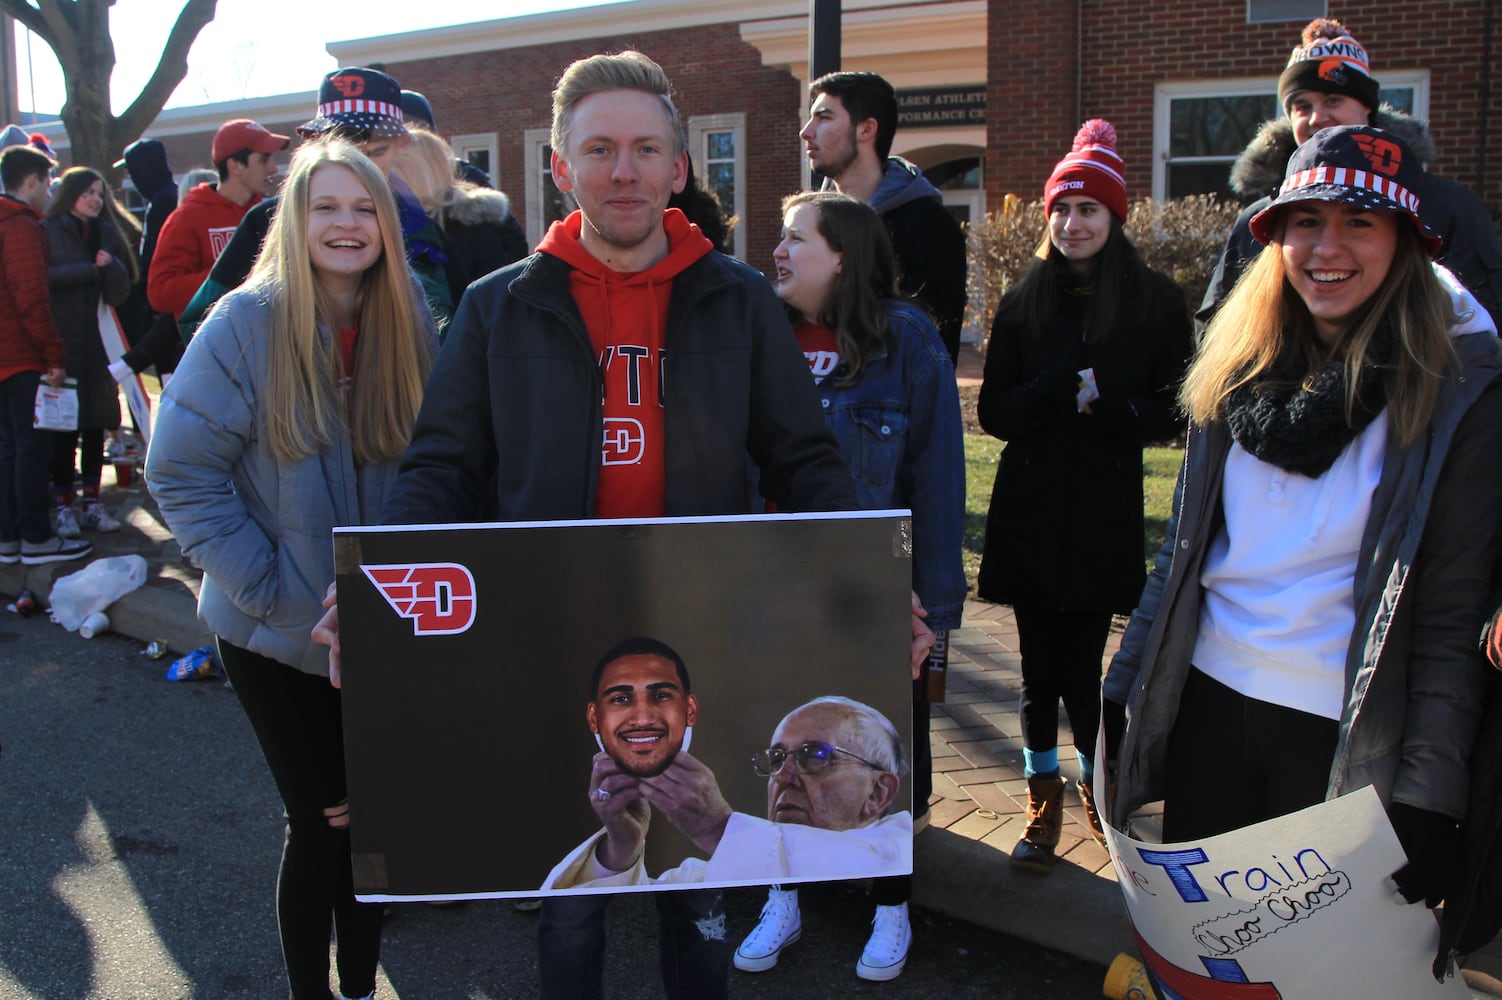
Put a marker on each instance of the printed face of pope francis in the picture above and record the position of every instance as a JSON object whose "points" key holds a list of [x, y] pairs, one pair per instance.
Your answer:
{"points": [[823, 771], [640, 713]]}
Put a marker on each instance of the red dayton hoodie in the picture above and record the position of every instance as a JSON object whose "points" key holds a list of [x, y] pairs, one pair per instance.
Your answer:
{"points": [[191, 240], [626, 315]]}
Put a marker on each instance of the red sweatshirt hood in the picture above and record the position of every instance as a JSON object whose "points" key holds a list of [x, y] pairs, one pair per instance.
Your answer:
{"points": [[204, 198], [686, 244]]}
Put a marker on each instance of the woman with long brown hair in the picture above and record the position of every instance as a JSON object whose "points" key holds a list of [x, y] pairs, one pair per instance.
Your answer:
{"points": [[1085, 353], [89, 260], [888, 390]]}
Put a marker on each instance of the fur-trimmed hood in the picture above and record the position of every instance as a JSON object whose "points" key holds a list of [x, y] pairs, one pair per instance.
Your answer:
{"points": [[1260, 167], [469, 206]]}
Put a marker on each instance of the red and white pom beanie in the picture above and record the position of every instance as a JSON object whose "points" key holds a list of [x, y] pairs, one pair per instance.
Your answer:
{"points": [[1093, 169]]}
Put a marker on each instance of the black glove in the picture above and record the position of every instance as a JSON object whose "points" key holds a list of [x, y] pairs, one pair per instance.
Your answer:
{"points": [[1052, 394], [1432, 842], [1116, 414]]}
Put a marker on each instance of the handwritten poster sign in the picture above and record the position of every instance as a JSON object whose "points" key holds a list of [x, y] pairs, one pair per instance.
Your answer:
{"points": [[1299, 906]]}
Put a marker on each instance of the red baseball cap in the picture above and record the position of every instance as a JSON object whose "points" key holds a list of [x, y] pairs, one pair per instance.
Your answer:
{"points": [[242, 133]]}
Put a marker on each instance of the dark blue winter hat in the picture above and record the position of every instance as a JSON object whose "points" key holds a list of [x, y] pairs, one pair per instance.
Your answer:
{"points": [[357, 98], [1354, 165]]}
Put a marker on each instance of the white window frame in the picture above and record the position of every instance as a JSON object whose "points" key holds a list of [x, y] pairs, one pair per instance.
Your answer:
{"points": [[1315, 8], [700, 127], [483, 142], [535, 141], [1164, 94]]}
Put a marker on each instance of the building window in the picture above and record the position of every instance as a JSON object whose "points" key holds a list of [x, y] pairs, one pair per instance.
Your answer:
{"points": [[1269, 11], [545, 203], [1201, 127], [717, 145], [480, 149]]}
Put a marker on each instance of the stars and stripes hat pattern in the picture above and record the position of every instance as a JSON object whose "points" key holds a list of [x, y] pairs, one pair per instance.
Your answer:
{"points": [[1353, 165], [357, 98]]}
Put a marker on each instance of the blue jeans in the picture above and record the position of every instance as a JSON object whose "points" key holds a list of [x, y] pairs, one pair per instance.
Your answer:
{"points": [[693, 949], [24, 452]]}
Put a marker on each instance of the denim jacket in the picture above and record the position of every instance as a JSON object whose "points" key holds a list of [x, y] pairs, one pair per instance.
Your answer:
{"points": [[899, 429]]}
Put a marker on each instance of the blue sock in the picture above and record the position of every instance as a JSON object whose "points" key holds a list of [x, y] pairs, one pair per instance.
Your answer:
{"points": [[1087, 767], [1040, 762]]}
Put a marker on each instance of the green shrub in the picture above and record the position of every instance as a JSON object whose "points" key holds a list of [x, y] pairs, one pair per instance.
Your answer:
{"points": [[1181, 237]]}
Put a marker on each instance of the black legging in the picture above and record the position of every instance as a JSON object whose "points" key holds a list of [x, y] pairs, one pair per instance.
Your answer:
{"points": [[1061, 654], [297, 721], [89, 443]]}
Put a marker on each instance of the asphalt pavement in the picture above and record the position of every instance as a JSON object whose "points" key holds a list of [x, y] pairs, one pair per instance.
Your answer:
{"points": [[141, 847]]}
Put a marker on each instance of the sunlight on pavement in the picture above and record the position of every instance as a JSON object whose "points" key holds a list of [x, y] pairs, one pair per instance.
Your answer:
{"points": [[123, 942]]}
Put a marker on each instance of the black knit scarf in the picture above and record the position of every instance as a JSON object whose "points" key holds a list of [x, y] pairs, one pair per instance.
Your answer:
{"points": [[1296, 419]]}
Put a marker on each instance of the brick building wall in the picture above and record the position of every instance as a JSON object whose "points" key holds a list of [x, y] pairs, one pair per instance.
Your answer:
{"points": [[190, 151], [713, 72], [1129, 46]]}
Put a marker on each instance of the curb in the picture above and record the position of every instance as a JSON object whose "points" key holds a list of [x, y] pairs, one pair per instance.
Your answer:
{"points": [[145, 614], [1071, 910]]}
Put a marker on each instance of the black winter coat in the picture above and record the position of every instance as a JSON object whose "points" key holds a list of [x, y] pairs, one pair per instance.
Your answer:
{"points": [[1065, 525], [481, 235], [1473, 911], [512, 430], [930, 249], [77, 287]]}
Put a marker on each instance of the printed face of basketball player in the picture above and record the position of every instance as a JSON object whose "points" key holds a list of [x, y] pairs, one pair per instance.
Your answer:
{"points": [[640, 713]]}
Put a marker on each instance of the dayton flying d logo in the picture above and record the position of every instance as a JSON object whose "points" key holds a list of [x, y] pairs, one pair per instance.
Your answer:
{"points": [[438, 597]]}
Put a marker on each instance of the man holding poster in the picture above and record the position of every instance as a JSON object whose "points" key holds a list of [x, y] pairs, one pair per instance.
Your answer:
{"points": [[626, 369]]}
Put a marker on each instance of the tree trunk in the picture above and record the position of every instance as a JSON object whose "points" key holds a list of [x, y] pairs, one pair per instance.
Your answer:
{"points": [[78, 32]]}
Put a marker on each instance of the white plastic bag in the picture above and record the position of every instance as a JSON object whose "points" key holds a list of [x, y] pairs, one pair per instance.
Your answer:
{"points": [[94, 588]]}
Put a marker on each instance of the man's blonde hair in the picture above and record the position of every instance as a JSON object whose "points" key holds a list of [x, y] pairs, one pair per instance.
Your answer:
{"points": [[628, 70]]}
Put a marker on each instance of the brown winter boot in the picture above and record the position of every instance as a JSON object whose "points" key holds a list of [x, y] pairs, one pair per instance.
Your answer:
{"points": [[1092, 815], [1045, 820]]}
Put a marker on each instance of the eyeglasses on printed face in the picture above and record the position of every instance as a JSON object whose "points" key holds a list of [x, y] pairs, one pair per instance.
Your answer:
{"points": [[811, 758]]}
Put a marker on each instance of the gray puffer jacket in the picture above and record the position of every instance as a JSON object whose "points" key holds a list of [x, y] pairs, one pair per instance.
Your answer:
{"points": [[1414, 679], [1449, 208], [261, 530]]}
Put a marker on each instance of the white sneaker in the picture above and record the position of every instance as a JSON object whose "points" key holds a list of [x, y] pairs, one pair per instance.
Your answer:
{"points": [[67, 523], [781, 924], [886, 951], [96, 517]]}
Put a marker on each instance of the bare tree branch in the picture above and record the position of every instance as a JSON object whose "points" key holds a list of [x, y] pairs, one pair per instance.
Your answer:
{"points": [[170, 69], [78, 32], [31, 18]]}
